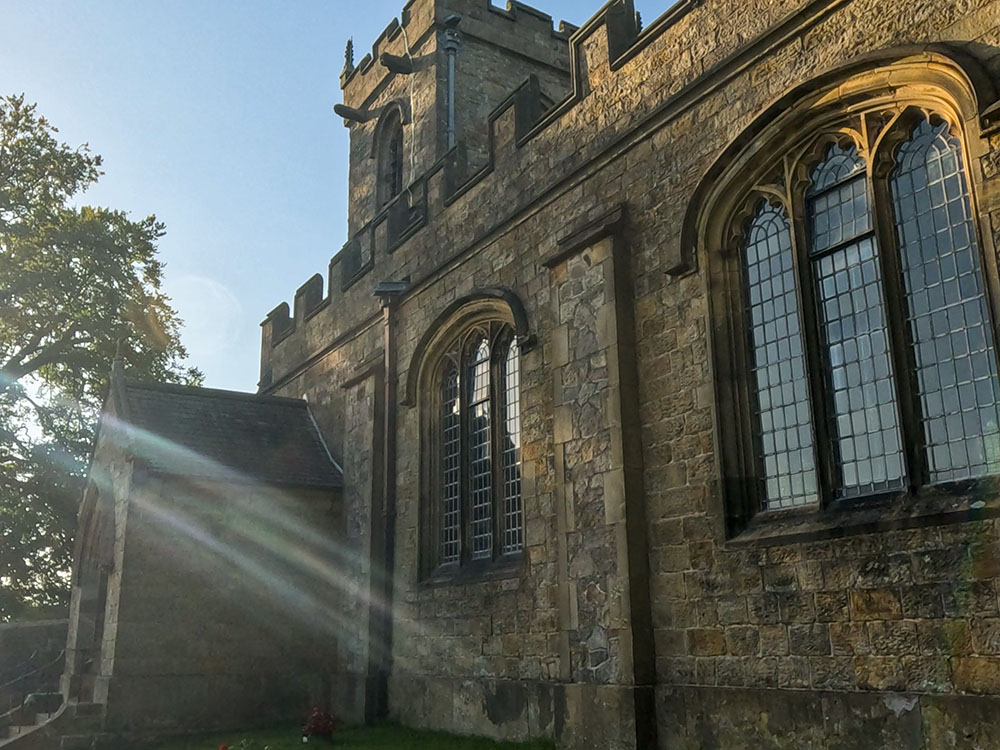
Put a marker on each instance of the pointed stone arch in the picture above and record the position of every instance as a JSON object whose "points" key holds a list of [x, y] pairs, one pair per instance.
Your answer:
{"points": [[491, 303], [937, 74]]}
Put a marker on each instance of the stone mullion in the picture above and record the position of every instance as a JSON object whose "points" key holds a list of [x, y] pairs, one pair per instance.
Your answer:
{"points": [[900, 347]]}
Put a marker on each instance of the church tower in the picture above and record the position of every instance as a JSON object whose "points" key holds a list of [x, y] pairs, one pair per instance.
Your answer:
{"points": [[426, 91]]}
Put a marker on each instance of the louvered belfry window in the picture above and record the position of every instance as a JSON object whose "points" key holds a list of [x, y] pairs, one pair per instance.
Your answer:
{"points": [[389, 150], [478, 484], [872, 366]]}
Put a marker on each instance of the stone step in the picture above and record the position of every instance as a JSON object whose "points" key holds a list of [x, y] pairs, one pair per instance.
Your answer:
{"points": [[88, 709], [83, 724], [42, 718]]}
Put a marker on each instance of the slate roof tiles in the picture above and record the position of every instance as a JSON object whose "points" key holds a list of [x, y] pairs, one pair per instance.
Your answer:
{"points": [[241, 437]]}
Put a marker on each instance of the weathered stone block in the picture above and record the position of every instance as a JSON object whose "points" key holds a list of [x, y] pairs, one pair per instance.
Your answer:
{"points": [[945, 637], [832, 606], [848, 638], [832, 673], [940, 564], [773, 640], [732, 610], [779, 578], [742, 641], [985, 635], [893, 637], [875, 604], [797, 607], [923, 601], [732, 671], [707, 641], [975, 674], [966, 598], [879, 673], [809, 640], [763, 608], [671, 642], [793, 672]]}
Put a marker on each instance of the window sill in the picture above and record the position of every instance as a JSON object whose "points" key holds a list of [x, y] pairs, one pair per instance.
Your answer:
{"points": [[870, 515], [506, 567]]}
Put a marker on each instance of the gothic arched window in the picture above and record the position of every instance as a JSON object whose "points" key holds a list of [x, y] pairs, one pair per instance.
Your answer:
{"points": [[389, 152], [871, 360], [476, 472]]}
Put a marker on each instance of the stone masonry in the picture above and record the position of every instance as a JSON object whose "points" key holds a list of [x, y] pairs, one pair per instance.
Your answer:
{"points": [[637, 615]]}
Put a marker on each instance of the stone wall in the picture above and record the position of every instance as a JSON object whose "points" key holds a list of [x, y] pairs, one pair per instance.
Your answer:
{"points": [[229, 607], [500, 51], [23, 642], [886, 637], [97, 556]]}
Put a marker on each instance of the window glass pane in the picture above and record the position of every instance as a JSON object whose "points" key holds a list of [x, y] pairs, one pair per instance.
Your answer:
{"points": [[862, 402], [480, 463], [946, 306], [513, 535], [450, 470], [839, 163], [783, 420], [839, 199]]}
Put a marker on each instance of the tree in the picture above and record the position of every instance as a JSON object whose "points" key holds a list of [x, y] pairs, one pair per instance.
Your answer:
{"points": [[77, 284]]}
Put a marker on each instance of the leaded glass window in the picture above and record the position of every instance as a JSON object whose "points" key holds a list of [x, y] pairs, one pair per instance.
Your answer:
{"points": [[946, 312], [872, 362], [479, 449], [783, 433], [844, 260], [480, 454], [450, 465], [511, 445]]}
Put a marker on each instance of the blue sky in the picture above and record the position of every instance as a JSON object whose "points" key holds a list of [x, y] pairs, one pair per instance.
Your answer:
{"points": [[216, 115]]}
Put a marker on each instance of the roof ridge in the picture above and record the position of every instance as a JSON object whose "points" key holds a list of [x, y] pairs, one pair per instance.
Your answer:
{"points": [[202, 392]]}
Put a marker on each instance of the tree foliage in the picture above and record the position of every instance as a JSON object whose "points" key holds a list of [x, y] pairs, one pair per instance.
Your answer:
{"points": [[77, 284]]}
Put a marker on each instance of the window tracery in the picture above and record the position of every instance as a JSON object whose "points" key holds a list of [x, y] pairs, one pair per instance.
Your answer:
{"points": [[477, 478], [871, 360]]}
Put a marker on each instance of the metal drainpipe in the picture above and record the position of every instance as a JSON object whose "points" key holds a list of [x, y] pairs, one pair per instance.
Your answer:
{"points": [[389, 293], [452, 43]]}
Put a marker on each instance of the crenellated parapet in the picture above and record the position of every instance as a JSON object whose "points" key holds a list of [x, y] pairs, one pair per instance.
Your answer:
{"points": [[420, 18], [403, 33], [377, 248]]}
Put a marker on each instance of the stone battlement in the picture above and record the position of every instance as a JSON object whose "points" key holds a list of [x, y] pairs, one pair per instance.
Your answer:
{"points": [[597, 49], [419, 18]]}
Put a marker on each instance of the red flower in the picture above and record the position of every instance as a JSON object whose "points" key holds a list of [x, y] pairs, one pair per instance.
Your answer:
{"points": [[223, 747], [320, 723]]}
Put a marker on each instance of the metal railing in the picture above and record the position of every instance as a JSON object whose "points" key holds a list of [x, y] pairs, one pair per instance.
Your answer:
{"points": [[10, 673], [13, 692]]}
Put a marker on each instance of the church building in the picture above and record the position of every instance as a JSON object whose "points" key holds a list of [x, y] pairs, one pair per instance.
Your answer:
{"points": [[652, 402]]}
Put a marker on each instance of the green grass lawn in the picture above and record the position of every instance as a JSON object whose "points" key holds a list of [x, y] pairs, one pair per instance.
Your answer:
{"points": [[360, 738]]}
